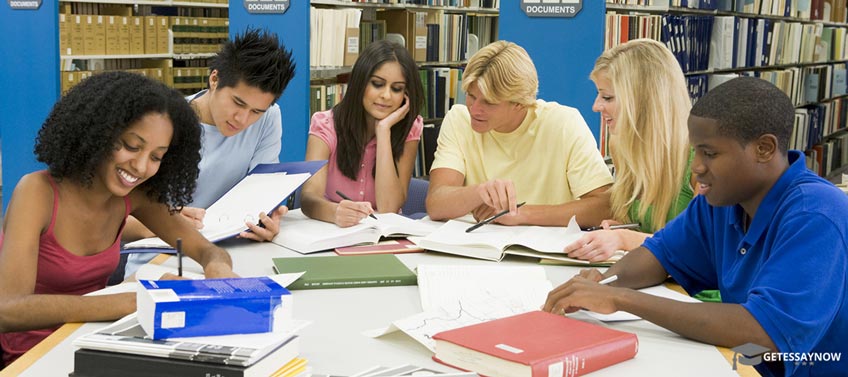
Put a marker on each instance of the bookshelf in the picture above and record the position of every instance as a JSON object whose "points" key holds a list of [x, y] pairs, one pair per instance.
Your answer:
{"points": [[802, 48], [166, 40], [33, 65]]}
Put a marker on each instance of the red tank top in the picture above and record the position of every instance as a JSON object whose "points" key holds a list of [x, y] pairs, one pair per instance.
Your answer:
{"points": [[65, 273]]}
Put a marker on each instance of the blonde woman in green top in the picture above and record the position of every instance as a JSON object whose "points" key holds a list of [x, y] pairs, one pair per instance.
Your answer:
{"points": [[643, 99]]}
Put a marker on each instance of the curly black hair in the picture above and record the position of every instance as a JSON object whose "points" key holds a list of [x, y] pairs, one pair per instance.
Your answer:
{"points": [[747, 108], [257, 58], [83, 128]]}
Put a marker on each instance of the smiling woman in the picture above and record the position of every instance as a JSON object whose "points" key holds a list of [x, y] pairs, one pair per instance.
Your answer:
{"points": [[116, 144]]}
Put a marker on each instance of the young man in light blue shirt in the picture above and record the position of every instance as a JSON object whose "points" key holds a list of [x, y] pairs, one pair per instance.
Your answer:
{"points": [[241, 126]]}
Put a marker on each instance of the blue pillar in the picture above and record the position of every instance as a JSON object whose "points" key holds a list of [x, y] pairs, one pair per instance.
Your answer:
{"points": [[293, 29], [564, 51], [29, 76]]}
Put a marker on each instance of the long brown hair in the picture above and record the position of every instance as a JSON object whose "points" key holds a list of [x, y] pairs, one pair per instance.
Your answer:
{"points": [[349, 115]]}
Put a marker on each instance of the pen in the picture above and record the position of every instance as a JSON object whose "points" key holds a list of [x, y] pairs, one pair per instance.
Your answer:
{"points": [[486, 221], [179, 257], [614, 227], [339, 193], [608, 280]]}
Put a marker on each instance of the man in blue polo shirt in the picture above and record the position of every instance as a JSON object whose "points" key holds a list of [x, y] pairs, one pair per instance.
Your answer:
{"points": [[765, 231]]}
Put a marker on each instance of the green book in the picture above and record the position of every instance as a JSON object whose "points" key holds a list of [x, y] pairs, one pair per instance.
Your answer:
{"points": [[346, 272]]}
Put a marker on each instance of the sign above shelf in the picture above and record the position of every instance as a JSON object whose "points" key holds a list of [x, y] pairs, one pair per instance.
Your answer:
{"points": [[561, 8]]}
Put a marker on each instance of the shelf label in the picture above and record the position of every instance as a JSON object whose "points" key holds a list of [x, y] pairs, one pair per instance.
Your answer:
{"points": [[24, 4], [551, 8], [266, 6]]}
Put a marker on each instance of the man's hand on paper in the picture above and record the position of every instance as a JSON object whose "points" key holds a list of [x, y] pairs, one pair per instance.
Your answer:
{"points": [[270, 226], [499, 194], [484, 212], [582, 292]]}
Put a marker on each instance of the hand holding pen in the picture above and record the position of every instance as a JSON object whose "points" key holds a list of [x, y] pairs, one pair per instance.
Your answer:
{"points": [[585, 291], [349, 212], [490, 219]]}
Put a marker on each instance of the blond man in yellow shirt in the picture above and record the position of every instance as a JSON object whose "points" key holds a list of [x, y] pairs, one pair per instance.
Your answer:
{"points": [[507, 147]]}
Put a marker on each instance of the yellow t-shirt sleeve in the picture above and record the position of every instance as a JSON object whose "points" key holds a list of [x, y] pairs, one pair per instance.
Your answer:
{"points": [[586, 169], [452, 137]]}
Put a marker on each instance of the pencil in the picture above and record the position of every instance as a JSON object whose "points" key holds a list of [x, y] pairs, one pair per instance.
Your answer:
{"points": [[345, 197], [490, 219], [614, 227], [179, 257], [608, 280]]}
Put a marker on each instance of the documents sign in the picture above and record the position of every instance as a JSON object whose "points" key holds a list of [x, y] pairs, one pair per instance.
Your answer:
{"points": [[266, 6], [24, 4], [551, 8]]}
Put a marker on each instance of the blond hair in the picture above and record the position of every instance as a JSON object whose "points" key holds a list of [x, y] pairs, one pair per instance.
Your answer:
{"points": [[650, 145], [503, 72]]}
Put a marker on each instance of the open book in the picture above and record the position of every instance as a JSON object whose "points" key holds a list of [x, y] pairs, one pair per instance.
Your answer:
{"points": [[304, 235], [493, 241], [263, 190]]}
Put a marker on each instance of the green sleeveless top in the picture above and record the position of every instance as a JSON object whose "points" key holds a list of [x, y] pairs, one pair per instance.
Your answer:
{"points": [[683, 198]]}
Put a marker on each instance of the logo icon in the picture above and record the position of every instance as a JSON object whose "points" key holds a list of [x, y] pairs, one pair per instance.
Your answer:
{"points": [[748, 354]]}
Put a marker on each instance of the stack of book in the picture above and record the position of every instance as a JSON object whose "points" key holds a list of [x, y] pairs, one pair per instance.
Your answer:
{"points": [[214, 327], [124, 349]]}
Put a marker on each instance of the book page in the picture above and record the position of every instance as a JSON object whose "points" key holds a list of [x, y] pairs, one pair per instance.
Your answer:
{"points": [[457, 296], [486, 242], [226, 217], [254, 194], [304, 235], [394, 225], [549, 239]]}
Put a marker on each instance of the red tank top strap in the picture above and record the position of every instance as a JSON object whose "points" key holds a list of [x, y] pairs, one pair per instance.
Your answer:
{"points": [[127, 206], [55, 201]]}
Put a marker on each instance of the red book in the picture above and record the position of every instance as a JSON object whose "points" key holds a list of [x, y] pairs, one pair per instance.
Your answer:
{"points": [[534, 344], [400, 246]]}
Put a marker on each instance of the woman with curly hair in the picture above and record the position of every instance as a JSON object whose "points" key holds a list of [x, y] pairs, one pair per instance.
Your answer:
{"points": [[370, 139], [116, 144]]}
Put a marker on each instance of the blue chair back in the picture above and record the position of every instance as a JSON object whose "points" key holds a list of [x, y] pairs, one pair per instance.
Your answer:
{"points": [[415, 196]]}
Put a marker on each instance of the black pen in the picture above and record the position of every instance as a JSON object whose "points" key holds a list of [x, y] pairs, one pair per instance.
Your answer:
{"points": [[614, 227], [486, 221], [179, 257], [339, 193]]}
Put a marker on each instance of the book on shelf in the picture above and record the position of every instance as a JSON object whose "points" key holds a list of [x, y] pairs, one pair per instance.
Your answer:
{"points": [[534, 344], [264, 189], [389, 246], [493, 242], [126, 336], [183, 308], [304, 235], [346, 272], [411, 24]]}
